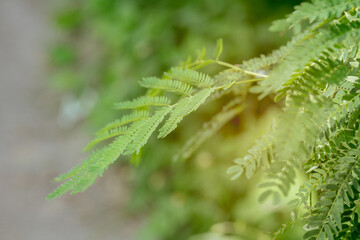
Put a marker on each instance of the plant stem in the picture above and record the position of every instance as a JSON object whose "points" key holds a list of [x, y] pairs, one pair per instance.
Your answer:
{"points": [[202, 63], [240, 69]]}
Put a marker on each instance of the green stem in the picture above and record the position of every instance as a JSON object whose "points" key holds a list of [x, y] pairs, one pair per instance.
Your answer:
{"points": [[202, 63], [240, 82], [240, 69]]}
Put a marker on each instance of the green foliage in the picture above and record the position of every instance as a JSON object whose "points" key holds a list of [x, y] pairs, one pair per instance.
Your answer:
{"points": [[315, 80], [318, 130], [313, 13], [130, 139]]}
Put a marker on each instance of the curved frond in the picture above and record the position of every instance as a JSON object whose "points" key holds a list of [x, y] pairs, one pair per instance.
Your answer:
{"points": [[85, 174]]}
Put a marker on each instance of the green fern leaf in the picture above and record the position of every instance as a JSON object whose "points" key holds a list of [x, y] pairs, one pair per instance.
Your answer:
{"points": [[113, 132], [184, 107], [167, 85], [85, 174], [302, 54], [190, 76], [147, 129], [132, 117], [144, 101], [316, 11], [69, 174], [258, 156]]}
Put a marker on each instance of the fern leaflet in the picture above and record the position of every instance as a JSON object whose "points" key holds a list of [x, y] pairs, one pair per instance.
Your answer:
{"points": [[147, 129], [190, 76], [184, 107], [167, 85], [144, 101], [126, 119], [113, 132]]}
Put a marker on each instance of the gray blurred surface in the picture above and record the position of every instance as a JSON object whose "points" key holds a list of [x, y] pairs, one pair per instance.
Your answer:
{"points": [[33, 149]]}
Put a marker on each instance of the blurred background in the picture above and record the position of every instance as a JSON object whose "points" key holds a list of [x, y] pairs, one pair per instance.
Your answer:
{"points": [[64, 63]]}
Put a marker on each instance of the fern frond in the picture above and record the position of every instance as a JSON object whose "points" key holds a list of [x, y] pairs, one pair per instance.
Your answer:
{"points": [[326, 219], [147, 129], [300, 129], [126, 119], [131, 138], [113, 132], [310, 49], [76, 175], [143, 101], [167, 85], [184, 107], [69, 174], [313, 79], [351, 226], [303, 119], [334, 170], [190, 76], [266, 61], [259, 156], [317, 11], [85, 174]]}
